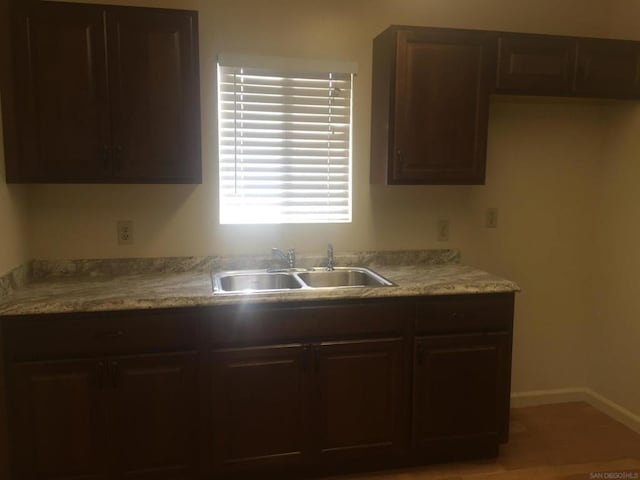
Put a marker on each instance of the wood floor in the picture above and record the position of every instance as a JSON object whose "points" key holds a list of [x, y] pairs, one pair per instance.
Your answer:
{"points": [[569, 441]]}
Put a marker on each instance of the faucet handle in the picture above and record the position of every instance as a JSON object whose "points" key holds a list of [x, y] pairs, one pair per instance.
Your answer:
{"points": [[330, 261]]}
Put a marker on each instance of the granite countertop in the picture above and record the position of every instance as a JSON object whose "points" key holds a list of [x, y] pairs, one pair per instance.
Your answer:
{"points": [[82, 286]]}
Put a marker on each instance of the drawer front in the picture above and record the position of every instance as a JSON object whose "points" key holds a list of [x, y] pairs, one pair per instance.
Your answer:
{"points": [[59, 336], [260, 324], [465, 313]]}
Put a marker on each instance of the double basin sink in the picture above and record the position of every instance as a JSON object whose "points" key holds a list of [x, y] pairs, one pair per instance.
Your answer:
{"points": [[251, 281]]}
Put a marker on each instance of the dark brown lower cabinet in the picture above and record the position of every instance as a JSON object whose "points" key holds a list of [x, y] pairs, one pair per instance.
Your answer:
{"points": [[459, 388], [284, 407], [259, 399], [130, 417], [58, 419], [153, 416], [285, 391], [359, 398]]}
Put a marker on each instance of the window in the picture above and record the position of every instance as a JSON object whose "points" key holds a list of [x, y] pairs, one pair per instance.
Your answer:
{"points": [[284, 141]]}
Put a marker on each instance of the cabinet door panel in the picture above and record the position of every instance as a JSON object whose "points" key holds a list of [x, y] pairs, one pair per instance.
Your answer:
{"points": [[608, 68], [62, 98], [155, 89], [58, 421], [536, 64], [360, 398], [259, 407], [460, 388], [153, 408], [443, 82]]}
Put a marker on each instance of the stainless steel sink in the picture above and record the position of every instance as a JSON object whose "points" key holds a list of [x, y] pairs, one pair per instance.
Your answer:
{"points": [[248, 281], [343, 277]]}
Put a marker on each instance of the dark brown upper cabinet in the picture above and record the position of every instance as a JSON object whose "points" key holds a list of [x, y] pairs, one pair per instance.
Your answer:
{"points": [[607, 68], [536, 63], [568, 66], [104, 95], [430, 106], [431, 90]]}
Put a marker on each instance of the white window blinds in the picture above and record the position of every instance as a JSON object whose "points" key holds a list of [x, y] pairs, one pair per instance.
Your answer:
{"points": [[284, 145]]}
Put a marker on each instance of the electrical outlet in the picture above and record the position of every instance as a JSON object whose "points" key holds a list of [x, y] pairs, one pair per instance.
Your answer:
{"points": [[125, 232], [491, 218], [443, 230]]}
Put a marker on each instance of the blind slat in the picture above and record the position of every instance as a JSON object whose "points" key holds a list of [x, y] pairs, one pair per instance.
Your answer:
{"points": [[284, 146]]}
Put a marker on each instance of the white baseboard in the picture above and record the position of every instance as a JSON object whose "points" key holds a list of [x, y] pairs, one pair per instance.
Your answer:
{"points": [[564, 395]]}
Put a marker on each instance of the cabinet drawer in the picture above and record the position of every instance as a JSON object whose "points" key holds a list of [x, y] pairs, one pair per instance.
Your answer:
{"points": [[58, 336], [253, 325], [468, 313]]}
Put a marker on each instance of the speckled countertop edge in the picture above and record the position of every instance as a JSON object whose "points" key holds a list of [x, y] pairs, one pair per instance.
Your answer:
{"points": [[414, 273]]}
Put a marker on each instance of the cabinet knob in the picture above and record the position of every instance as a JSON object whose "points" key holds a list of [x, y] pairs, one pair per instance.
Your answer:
{"points": [[118, 158], [100, 373], [104, 157], [305, 358], [115, 367], [316, 359], [399, 156]]}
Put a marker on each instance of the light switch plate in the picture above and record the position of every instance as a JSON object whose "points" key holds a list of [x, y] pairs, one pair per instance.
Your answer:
{"points": [[443, 230], [491, 218]]}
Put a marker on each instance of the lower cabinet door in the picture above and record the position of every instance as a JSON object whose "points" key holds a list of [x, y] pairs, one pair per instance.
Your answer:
{"points": [[460, 385], [153, 415], [259, 397], [360, 400], [58, 420]]}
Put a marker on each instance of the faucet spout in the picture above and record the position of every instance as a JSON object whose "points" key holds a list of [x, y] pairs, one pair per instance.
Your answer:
{"points": [[288, 258]]}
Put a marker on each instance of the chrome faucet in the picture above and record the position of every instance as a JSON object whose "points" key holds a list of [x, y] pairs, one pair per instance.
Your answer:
{"points": [[330, 261], [288, 258]]}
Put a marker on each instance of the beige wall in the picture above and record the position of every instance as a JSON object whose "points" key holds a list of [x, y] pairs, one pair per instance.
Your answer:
{"points": [[182, 220], [614, 356], [543, 172], [543, 157], [13, 218]]}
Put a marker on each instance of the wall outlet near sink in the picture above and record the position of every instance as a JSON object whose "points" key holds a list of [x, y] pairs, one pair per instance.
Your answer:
{"points": [[125, 232]]}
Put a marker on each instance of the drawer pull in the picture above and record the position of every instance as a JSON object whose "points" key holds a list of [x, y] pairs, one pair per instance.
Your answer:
{"points": [[112, 334]]}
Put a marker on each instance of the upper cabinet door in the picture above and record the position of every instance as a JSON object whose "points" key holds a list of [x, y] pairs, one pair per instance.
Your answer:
{"points": [[536, 64], [155, 91], [443, 82], [61, 94], [608, 68]]}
